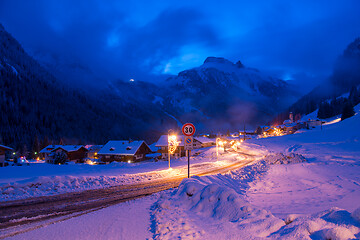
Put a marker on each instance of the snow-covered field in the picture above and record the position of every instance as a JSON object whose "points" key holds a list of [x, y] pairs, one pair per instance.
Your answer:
{"points": [[307, 187]]}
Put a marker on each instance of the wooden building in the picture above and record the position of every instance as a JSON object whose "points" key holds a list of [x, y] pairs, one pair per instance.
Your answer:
{"points": [[202, 142], [3, 149], [124, 151], [46, 151], [162, 145], [75, 153], [93, 151]]}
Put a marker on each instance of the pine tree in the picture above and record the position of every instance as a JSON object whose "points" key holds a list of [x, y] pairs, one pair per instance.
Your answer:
{"points": [[258, 130], [325, 110], [354, 96], [35, 148], [348, 111]]}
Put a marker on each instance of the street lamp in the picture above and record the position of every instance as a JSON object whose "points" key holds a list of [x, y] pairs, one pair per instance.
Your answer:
{"points": [[217, 148], [172, 144]]}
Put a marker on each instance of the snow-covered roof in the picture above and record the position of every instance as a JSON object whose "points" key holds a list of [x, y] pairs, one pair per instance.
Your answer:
{"points": [[121, 147], [163, 141], [70, 148], [205, 139], [93, 148], [49, 148], [153, 155], [5, 148]]}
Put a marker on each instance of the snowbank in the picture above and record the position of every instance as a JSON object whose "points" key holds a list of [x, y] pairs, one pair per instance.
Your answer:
{"points": [[199, 209], [182, 214], [334, 223], [205, 202]]}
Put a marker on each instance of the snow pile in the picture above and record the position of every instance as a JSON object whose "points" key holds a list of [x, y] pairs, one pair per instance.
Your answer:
{"points": [[281, 158], [198, 210], [335, 223], [45, 186], [204, 203]]}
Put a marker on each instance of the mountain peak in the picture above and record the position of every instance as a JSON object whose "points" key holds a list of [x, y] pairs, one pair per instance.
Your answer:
{"points": [[216, 60], [353, 49]]}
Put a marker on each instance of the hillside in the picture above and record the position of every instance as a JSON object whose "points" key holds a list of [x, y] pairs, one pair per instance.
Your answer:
{"points": [[221, 93], [346, 76], [35, 105], [218, 95]]}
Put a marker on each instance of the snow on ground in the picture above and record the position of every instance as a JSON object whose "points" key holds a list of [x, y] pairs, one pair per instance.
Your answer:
{"points": [[129, 220], [19, 182], [210, 207], [280, 197], [199, 210], [307, 187]]}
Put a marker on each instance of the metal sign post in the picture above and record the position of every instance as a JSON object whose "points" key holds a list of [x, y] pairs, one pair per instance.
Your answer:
{"points": [[189, 151], [188, 130]]}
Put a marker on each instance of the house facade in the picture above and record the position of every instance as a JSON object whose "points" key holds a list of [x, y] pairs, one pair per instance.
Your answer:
{"points": [[75, 153], [203, 142], [93, 151], [3, 149], [46, 151], [124, 151], [163, 147]]}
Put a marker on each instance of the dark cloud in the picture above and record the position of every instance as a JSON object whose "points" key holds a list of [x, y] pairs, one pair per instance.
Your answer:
{"points": [[117, 39], [161, 39]]}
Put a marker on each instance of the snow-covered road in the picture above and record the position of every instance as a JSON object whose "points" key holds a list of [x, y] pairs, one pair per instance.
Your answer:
{"points": [[282, 196], [28, 211]]}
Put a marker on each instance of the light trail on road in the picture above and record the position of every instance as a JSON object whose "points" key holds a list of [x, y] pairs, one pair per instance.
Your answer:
{"points": [[17, 214]]}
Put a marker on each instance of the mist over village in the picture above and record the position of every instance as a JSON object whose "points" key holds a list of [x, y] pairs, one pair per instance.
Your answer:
{"points": [[179, 120]]}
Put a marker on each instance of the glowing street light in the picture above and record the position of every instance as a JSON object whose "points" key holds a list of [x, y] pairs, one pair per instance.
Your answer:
{"points": [[220, 143], [217, 148], [172, 144]]}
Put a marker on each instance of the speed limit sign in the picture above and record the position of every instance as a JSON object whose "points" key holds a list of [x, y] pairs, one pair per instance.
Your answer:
{"points": [[188, 129]]}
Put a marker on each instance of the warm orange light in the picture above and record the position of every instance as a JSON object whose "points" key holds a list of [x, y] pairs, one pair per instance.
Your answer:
{"points": [[173, 143]]}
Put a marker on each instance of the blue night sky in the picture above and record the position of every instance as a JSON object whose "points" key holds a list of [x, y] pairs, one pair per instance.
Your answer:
{"points": [[137, 39]]}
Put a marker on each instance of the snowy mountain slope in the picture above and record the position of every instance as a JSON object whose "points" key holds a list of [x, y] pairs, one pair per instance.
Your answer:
{"points": [[346, 74], [220, 89], [218, 95], [34, 104]]}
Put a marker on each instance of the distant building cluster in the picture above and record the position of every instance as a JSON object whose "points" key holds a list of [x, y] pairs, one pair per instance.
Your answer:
{"points": [[116, 150], [136, 151], [289, 126]]}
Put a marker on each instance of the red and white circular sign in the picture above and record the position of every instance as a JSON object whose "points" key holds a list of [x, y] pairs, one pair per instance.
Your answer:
{"points": [[188, 129]]}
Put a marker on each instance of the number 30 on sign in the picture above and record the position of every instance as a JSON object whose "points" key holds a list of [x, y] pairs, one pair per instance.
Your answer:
{"points": [[188, 129]]}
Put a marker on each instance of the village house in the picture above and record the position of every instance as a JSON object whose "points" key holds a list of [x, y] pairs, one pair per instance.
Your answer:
{"points": [[124, 151], [93, 151], [203, 142], [3, 149], [45, 152], [75, 153], [162, 145]]}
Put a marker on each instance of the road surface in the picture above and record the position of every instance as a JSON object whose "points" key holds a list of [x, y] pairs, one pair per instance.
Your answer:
{"points": [[14, 214]]}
